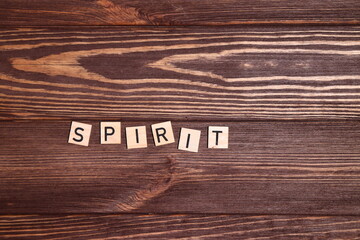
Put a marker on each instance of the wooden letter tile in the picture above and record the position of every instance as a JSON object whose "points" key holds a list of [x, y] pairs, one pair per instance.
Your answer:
{"points": [[189, 140], [80, 133], [162, 133], [218, 137], [136, 137], [110, 132]]}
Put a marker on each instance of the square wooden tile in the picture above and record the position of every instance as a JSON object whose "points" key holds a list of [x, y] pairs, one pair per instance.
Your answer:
{"points": [[136, 137], [110, 132], [80, 133], [162, 133], [189, 140], [218, 137]]}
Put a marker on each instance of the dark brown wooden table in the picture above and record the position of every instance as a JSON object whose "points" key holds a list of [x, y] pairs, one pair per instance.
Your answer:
{"points": [[283, 75]]}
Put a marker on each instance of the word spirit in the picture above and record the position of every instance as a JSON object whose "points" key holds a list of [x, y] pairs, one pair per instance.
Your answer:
{"points": [[110, 133]]}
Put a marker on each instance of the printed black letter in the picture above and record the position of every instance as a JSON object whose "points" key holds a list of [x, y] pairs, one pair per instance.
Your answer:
{"points": [[217, 137], [109, 133], [81, 136], [161, 135]]}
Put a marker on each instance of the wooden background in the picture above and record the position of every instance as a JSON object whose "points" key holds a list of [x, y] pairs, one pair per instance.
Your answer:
{"points": [[283, 75]]}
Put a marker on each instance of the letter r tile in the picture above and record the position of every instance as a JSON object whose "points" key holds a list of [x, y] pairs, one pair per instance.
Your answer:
{"points": [[162, 133]]}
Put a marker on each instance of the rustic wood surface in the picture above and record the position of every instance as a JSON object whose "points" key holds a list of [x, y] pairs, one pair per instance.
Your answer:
{"points": [[284, 78], [177, 12], [178, 226], [270, 168], [177, 74]]}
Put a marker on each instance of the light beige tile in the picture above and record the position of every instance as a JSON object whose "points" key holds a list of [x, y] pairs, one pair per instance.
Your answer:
{"points": [[189, 140], [162, 133], [110, 132], [218, 137], [136, 137], [80, 133]]}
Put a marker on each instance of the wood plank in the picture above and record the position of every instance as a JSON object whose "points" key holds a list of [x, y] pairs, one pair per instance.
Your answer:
{"points": [[178, 227], [177, 12], [279, 167], [180, 74]]}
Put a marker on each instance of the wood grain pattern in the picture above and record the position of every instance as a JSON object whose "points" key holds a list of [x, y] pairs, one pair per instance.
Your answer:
{"points": [[178, 226], [180, 74], [295, 179], [270, 168], [177, 12]]}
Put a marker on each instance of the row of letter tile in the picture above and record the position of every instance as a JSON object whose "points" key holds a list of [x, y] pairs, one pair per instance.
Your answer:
{"points": [[110, 133]]}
